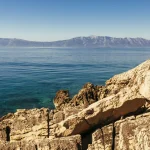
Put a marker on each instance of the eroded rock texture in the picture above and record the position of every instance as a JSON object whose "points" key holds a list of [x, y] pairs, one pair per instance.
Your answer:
{"points": [[86, 96], [67, 143], [61, 99], [101, 112], [111, 117], [24, 124], [102, 138], [133, 133]]}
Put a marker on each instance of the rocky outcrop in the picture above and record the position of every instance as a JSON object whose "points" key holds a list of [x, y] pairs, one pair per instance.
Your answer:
{"points": [[111, 117], [61, 99], [86, 96], [101, 112]]}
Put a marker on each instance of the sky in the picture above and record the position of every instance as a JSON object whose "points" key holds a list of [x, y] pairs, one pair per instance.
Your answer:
{"points": [[51, 20]]}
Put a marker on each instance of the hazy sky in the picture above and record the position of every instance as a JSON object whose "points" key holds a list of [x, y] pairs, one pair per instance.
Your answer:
{"points": [[49, 20]]}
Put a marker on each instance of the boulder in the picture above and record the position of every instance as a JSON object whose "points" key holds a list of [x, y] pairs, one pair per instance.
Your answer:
{"points": [[86, 96], [61, 99]]}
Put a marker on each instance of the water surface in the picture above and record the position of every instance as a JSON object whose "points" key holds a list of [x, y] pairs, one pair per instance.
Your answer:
{"points": [[30, 77]]}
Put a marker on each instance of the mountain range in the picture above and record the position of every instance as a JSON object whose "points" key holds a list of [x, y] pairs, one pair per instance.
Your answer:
{"points": [[87, 42]]}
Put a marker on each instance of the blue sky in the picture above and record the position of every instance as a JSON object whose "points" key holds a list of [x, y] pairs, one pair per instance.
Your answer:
{"points": [[50, 20]]}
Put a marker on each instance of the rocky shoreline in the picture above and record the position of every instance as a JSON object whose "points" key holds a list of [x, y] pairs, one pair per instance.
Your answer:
{"points": [[111, 117]]}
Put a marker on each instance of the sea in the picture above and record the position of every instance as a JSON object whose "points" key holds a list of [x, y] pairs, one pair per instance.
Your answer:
{"points": [[30, 77]]}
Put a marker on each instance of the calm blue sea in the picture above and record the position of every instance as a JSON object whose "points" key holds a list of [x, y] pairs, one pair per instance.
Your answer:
{"points": [[30, 77]]}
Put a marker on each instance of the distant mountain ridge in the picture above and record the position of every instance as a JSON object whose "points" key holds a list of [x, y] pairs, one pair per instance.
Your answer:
{"points": [[87, 42]]}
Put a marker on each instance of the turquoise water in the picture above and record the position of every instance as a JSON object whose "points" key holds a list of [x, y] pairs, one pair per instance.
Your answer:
{"points": [[30, 77]]}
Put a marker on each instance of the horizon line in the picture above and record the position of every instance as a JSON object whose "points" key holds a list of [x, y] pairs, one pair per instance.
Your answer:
{"points": [[73, 38]]}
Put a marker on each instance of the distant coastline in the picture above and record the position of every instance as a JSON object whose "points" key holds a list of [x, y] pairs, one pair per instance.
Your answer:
{"points": [[79, 42]]}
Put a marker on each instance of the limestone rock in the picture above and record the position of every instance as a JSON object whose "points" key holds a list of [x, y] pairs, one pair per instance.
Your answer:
{"points": [[102, 139], [68, 111], [24, 124], [61, 98], [86, 96], [64, 143], [58, 117], [138, 77], [133, 133], [101, 112]]}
